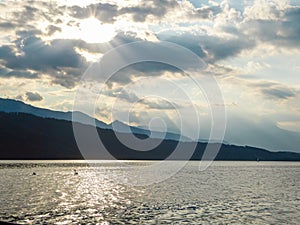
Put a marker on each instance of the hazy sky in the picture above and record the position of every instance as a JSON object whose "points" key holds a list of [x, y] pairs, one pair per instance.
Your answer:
{"points": [[251, 47]]}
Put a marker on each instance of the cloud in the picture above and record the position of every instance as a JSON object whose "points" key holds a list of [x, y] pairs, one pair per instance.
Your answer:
{"points": [[271, 89], [33, 96], [121, 93], [265, 10], [211, 48], [156, 8], [154, 103], [37, 55], [51, 29], [7, 25], [289, 125], [20, 73], [205, 12], [278, 27], [219, 70], [278, 92], [107, 12], [30, 96], [27, 13], [129, 96], [124, 38], [32, 56], [103, 11], [58, 57], [162, 121]]}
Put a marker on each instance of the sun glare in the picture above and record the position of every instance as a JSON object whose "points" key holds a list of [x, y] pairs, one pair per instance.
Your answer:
{"points": [[92, 30]]}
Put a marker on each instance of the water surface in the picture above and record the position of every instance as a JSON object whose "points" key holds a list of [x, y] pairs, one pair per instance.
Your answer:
{"points": [[227, 192]]}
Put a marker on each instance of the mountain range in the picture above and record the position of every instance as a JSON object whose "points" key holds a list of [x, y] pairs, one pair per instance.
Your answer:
{"points": [[10, 105], [28, 132]]}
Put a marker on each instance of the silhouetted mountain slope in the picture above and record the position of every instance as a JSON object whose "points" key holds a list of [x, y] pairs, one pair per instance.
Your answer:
{"points": [[10, 105], [25, 136]]}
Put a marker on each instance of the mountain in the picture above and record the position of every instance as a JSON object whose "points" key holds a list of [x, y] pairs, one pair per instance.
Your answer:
{"points": [[10, 105], [27, 136], [123, 128]]}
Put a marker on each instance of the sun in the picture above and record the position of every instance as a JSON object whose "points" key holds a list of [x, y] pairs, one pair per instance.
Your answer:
{"points": [[91, 30]]}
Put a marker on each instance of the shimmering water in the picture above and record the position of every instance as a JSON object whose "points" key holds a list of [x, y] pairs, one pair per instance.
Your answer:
{"points": [[227, 192]]}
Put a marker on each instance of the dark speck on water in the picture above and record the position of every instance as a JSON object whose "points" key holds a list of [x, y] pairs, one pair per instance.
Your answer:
{"points": [[75, 172]]}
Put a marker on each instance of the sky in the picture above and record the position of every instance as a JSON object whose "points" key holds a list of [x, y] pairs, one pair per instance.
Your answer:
{"points": [[251, 48]]}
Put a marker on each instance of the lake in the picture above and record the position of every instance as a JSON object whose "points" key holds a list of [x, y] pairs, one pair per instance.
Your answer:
{"points": [[227, 192]]}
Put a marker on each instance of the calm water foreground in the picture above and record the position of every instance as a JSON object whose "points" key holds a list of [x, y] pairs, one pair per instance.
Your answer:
{"points": [[227, 192]]}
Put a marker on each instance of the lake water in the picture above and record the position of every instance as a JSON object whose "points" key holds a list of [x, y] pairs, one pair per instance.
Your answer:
{"points": [[227, 192]]}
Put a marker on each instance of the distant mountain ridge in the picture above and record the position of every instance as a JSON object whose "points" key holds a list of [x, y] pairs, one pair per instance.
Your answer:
{"points": [[10, 105], [26, 136], [270, 137]]}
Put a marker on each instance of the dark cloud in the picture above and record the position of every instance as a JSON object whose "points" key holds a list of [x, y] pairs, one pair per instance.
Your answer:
{"points": [[4, 71], [283, 32], [108, 12], [35, 11], [33, 96], [21, 73], [278, 92], [211, 48], [104, 12], [23, 34], [51, 29], [154, 8], [65, 81], [6, 53], [38, 55], [121, 93], [218, 70], [142, 69], [263, 84], [19, 97], [205, 12], [159, 104], [57, 59], [58, 21], [124, 38], [187, 40], [131, 97], [128, 95], [219, 48], [273, 90], [7, 25], [29, 13]]}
